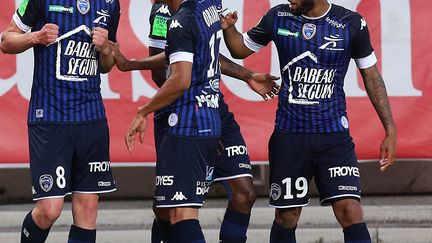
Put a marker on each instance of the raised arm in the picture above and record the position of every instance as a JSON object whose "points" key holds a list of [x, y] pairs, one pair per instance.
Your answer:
{"points": [[233, 38], [14, 40], [377, 93], [263, 84]]}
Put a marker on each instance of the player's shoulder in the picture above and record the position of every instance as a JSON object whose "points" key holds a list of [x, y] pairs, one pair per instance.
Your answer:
{"points": [[184, 18], [281, 10], [353, 19]]}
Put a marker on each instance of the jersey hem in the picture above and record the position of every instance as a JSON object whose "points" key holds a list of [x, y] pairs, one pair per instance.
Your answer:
{"points": [[276, 129], [324, 202], [66, 123], [20, 24], [155, 43], [252, 45], [290, 206], [181, 205], [366, 62]]}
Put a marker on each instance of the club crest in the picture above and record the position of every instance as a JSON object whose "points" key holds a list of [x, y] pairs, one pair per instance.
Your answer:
{"points": [[46, 182], [309, 31], [83, 6]]}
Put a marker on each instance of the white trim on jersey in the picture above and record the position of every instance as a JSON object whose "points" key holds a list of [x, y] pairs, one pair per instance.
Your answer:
{"points": [[181, 56], [366, 62], [96, 192], [155, 43], [290, 206], [20, 24], [313, 18], [51, 197], [180, 205], [252, 45], [232, 177], [322, 202]]}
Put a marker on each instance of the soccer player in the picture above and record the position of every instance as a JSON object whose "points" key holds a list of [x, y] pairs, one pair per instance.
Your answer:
{"points": [[187, 123], [232, 166], [315, 41], [68, 132]]}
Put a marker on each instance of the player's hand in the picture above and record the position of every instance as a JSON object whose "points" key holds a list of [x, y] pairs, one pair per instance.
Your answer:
{"points": [[388, 152], [138, 126], [264, 84], [47, 35], [229, 20], [120, 60], [100, 40]]}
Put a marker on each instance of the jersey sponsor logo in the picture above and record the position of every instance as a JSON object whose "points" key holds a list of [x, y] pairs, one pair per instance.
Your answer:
{"points": [[60, 9], [347, 188], [309, 31], [103, 17], [23, 7], [275, 191], [175, 24], [214, 84], [311, 84], [164, 10], [160, 26], [202, 187], [285, 32], [344, 122], [164, 180], [159, 198], [82, 57], [211, 16], [46, 182], [332, 43], [363, 24], [208, 100], [335, 23], [39, 113], [342, 171], [99, 166], [173, 119], [236, 150], [178, 197], [104, 183], [83, 6]]}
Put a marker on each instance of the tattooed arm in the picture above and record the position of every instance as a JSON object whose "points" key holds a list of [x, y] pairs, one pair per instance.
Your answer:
{"points": [[377, 93], [263, 84]]}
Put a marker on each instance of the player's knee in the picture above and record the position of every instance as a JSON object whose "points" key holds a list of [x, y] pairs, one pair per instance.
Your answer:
{"points": [[48, 213], [287, 218], [244, 198], [348, 212]]}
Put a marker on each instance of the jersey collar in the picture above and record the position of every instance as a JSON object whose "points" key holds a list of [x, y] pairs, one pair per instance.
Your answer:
{"points": [[315, 18]]}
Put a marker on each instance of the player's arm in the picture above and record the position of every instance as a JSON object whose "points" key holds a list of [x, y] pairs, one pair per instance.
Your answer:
{"points": [[261, 83], [158, 75], [243, 45], [377, 93], [155, 62], [233, 38], [178, 82]]}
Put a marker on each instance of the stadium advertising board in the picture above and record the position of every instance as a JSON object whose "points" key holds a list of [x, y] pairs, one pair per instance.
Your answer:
{"points": [[400, 33]]}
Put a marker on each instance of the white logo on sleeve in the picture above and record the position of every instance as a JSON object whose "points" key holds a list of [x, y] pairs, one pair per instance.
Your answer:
{"points": [[362, 24], [175, 24], [164, 10], [178, 197]]}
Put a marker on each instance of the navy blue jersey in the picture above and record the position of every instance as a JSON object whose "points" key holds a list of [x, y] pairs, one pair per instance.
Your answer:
{"points": [[194, 35], [66, 80], [314, 55]]}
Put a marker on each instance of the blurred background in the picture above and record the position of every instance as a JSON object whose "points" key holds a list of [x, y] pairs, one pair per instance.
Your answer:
{"points": [[397, 203]]}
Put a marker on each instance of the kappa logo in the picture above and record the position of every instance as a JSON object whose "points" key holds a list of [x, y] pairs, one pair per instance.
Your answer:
{"points": [[46, 182], [164, 10], [178, 197], [103, 17], [363, 24], [333, 41], [175, 24]]}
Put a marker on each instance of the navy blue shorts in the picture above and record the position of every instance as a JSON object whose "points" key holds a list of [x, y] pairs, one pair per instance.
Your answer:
{"points": [[69, 158], [233, 158], [184, 168], [296, 158]]}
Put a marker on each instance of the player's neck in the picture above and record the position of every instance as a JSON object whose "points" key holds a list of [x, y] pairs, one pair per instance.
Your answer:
{"points": [[319, 10]]}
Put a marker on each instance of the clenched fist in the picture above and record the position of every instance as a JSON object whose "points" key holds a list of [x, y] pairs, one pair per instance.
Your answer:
{"points": [[100, 40], [47, 35]]}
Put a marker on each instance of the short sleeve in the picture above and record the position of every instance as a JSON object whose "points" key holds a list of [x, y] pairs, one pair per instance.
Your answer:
{"points": [[114, 22], [260, 35], [27, 14], [180, 41], [361, 47], [159, 17]]}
